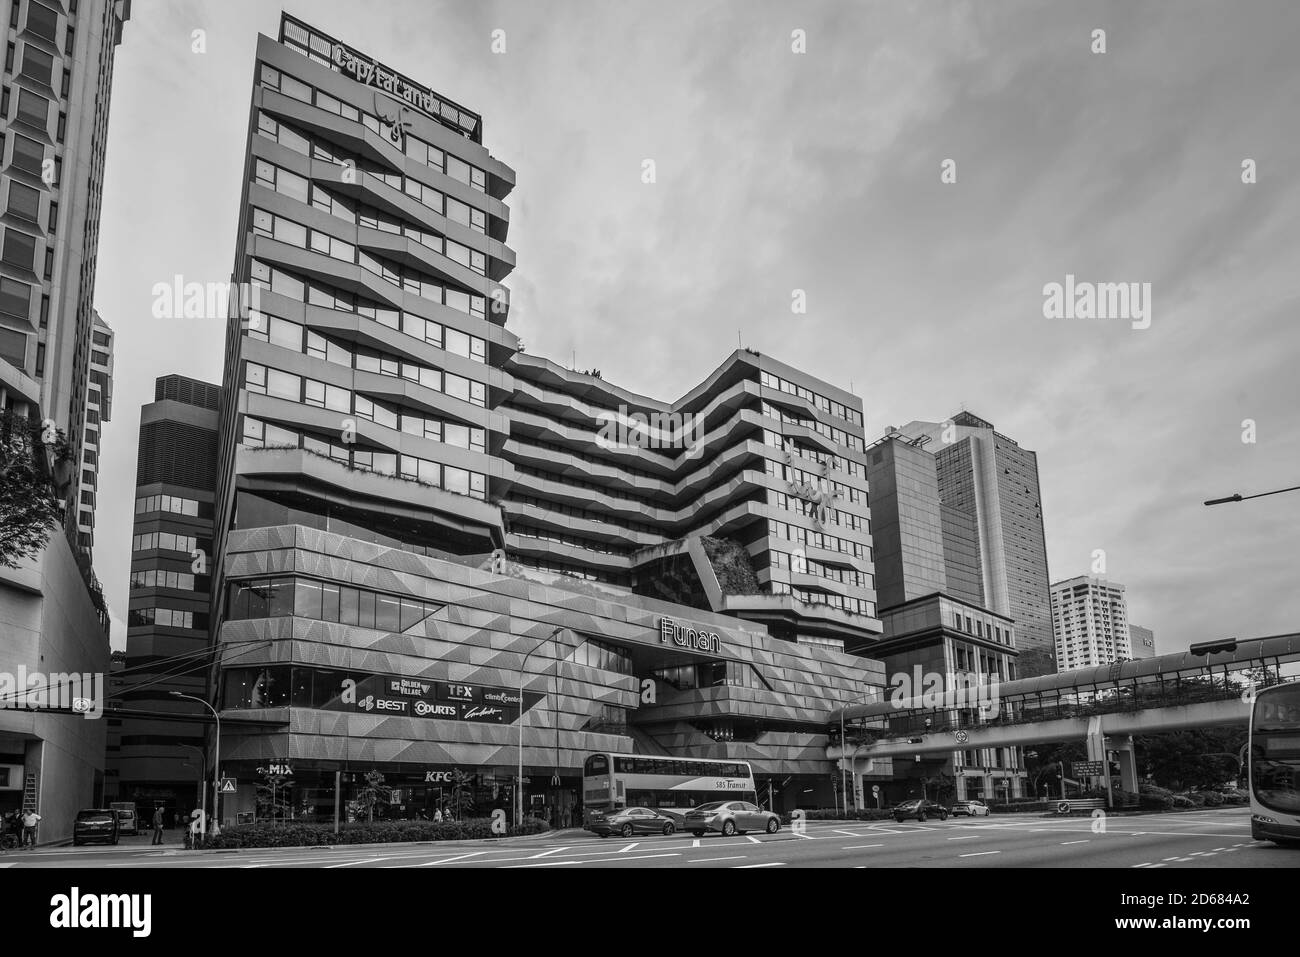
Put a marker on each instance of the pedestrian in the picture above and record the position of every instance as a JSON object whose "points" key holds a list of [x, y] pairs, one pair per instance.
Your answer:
{"points": [[30, 820], [437, 816], [157, 825]]}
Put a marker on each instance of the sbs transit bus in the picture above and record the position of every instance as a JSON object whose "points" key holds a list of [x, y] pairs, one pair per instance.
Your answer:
{"points": [[1274, 770], [670, 785]]}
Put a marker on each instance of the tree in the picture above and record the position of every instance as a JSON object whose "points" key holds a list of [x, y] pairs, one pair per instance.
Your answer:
{"points": [[372, 794], [462, 797], [1050, 762], [1182, 760], [35, 462]]}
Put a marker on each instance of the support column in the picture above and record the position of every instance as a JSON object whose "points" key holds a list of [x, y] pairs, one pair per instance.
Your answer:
{"points": [[1127, 757]]}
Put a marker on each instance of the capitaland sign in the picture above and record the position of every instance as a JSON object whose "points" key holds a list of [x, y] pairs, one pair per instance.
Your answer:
{"points": [[369, 72], [692, 639]]}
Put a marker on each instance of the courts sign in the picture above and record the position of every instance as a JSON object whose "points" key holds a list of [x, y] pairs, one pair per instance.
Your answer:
{"points": [[684, 636]]}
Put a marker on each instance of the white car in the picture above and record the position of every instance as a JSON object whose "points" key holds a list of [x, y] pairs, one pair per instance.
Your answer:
{"points": [[971, 808]]}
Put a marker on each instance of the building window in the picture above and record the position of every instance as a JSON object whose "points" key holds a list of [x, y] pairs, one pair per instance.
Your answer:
{"points": [[15, 298], [37, 64], [24, 201], [19, 249], [33, 108], [41, 20], [29, 155]]}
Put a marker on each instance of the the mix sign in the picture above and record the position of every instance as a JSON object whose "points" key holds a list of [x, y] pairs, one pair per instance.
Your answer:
{"points": [[79, 692]]}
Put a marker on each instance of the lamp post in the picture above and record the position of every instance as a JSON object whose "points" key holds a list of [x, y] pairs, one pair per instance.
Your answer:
{"points": [[519, 778], [1238, 497], [203, 778], [216, 767]]}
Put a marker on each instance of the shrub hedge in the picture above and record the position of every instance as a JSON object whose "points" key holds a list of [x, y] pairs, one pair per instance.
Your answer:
{"points": [[267, 834]]}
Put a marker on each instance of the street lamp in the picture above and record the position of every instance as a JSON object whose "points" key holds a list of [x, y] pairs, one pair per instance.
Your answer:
{"points": [[216, 768], [1238, 497], [519, 778]]}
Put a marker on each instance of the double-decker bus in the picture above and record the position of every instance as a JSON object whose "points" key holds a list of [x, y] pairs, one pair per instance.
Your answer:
{"points": [[670, 785], [1275, 765]]}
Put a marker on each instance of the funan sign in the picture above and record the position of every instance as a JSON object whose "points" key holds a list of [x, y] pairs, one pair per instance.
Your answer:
{"points": [[688, 637]]}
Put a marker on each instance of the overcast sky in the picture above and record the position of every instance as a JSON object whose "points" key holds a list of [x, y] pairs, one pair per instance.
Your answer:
{"points": [[777, 171]]}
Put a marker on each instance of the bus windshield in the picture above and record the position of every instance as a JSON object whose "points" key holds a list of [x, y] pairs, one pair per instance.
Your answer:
{"points": [[1275, 750]]}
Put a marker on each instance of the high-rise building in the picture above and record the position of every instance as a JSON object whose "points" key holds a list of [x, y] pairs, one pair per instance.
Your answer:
{"points": [[1090, 618], [99, 409], [53, 126], [993, 482], [934, 622], [410, 507], [1142, 641], [154, 759]]}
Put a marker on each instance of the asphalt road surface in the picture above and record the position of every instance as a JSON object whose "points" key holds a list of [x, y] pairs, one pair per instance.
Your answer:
{"points": [[1196, 839]]}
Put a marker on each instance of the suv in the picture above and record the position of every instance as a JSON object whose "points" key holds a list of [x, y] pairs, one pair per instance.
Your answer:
{"points": [[97, 824], [919, 810]]}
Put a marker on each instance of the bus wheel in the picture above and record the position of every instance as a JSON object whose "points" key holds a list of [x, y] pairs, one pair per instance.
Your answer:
{"points": [[627, 830]]}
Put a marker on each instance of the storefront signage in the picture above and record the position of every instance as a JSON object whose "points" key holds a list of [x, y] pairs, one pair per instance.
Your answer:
{"points": [[396, 696], [370, 72], [684, 636]]}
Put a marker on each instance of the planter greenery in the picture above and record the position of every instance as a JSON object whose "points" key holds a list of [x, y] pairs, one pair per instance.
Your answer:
{"points": [[33, 459], [731, 564], [290, 834]]}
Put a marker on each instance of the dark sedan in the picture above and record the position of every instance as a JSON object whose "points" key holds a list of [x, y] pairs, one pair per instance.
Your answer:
{"points": [[630, 820], [919, 811], [95, 825]]}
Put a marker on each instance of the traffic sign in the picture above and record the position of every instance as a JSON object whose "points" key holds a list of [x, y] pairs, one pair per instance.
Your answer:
{"points": [[961, 736], [875, 789], [1087, 768], [227, 786]]}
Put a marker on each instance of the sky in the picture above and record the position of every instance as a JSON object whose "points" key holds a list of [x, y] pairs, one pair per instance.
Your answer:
{"points": [[916, 176]]}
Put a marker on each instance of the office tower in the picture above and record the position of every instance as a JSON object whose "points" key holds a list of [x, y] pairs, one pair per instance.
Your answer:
{"points": [[410, 509], [933, 619], [53, 124], [1142, 641], [989, 478], [158, 760], [99, 409], [1090, 618]]}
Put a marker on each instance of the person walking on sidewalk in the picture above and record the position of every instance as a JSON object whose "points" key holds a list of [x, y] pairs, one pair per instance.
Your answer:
{"points": [[157, 826], [30, 820]]}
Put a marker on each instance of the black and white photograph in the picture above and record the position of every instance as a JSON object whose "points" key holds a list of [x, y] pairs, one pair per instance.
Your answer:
{"points": [[536, 436]]}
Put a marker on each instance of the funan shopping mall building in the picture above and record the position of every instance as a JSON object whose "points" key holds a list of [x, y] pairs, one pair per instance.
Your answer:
{"points": [[412, 515]]}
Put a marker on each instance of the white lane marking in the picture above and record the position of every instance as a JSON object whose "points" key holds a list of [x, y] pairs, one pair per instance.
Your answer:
{"points": [[598, 860], [702, 860], [1168, 859], [772, 864], [448, 860], [979, 853], [1147, 864], [629, 847], [554, 850], [967, 837], [1154, 866], [1068, 843], [752, 839], [849, 833], [1182, 859], [806, 837], [860, 847], [695, 843], [364, 860]]}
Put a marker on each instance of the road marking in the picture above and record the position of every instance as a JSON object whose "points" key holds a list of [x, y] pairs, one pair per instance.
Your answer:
{"points": [[1147, 864], [1154, 866], [1168, 859], [1220, 849], [364, 860], [772, 864], [967, 837], [979, 853], [860, 847], [695, 843], [554, 850], [1182, 859], [1067, 843], [448, 860], [629, 847], [849, 833], [598, 860], [703, 860], [753, 839]]}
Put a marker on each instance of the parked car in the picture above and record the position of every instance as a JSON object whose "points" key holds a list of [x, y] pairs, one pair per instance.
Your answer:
{"points": [[128, 820], [730, 817], [919, 810], [630, 820], [972, 808], [95, 824]]}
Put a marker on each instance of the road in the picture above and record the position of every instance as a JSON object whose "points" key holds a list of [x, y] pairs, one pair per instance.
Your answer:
{"points": [[1198, 839]]}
